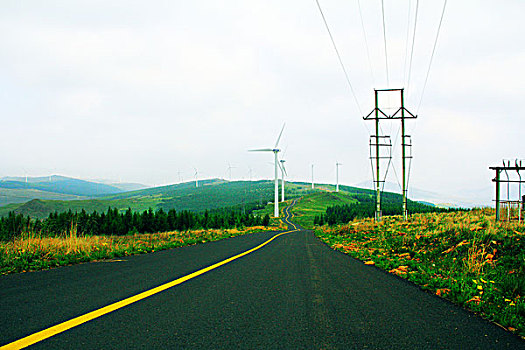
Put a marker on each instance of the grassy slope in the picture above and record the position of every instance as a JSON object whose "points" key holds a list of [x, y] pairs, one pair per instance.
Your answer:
{"points": [[14, 197], [211, 194], [315, 204]]}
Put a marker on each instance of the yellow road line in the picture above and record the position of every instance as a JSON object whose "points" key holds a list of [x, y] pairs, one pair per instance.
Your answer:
{"points": [[64, 326]]}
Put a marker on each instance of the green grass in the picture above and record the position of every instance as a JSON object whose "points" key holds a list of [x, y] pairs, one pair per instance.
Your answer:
{"points": [[464, 257], [315, 204], [17, 196]]}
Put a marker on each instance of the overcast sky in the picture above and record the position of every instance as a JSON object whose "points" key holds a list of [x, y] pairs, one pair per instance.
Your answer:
{"points": [[143, 90]]}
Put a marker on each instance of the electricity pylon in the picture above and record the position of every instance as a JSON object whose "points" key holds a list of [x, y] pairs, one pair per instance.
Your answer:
{"points": [[378, 114]]}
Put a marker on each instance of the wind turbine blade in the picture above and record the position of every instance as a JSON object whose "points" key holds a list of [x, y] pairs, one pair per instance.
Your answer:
{"points": [[261, 150], [285, 149], [284, 169], [279, 138]]}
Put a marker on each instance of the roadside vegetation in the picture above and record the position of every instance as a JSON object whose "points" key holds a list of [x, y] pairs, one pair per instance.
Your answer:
{"points": [[31, 251], [461, 256], [28, 244]]}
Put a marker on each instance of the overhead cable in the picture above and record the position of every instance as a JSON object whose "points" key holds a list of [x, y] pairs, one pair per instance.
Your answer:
{"points": [[384, 39], [339, 57], [366, 43], [432, 56], [413, 44], [406, 42]]}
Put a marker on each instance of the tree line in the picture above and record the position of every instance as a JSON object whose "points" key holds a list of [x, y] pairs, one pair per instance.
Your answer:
{"points": [[365, 208], [114, 222]]}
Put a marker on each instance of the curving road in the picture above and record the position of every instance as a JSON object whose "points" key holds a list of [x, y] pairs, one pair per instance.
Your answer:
{"points": [[293, 292]]}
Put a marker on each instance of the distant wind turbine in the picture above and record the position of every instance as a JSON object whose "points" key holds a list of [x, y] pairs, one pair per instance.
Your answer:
{"points": [[275, 151], [230, 167], [337, 176], [313, 177], [25, 172], [196, 177], [283, 172]]}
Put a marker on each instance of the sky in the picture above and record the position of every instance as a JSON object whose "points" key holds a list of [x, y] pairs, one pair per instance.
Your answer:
{"points": [[147, 91]]}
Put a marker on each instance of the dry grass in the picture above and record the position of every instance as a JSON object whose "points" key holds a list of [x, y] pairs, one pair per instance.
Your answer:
{"points": [[31, 252]]}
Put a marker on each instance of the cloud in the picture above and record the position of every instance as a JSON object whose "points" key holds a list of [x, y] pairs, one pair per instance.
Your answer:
{"points": [[144, 90]]}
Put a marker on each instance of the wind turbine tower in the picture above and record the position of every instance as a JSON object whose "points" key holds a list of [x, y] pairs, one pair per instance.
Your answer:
{"points": [[230, 170], [337, 176], [283, 172], [275, 151], [196, 178], [313, 177]]}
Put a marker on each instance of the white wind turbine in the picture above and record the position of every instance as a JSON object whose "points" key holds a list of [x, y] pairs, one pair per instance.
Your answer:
{"points": [[250, 170], [313, 186], [337, 175], [230, 167], [25, 172], [196, 177], [275, 151], [283, 172]]}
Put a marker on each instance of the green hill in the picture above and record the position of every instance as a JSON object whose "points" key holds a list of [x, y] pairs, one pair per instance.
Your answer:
{"points": [[211, 194], [316, 203], [17, 196]]}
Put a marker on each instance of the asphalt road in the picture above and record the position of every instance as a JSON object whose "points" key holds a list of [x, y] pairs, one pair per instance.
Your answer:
{"points": [[293, 293]]}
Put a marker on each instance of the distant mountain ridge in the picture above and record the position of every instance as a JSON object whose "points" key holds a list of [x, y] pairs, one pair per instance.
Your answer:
{"points": [[60, 184], [464, 199], [211, 194], [17, 190]]}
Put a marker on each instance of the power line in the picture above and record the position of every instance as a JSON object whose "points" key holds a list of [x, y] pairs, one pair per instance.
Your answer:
{"points": [[384, 39], [413, 44], [432, 56], [406, 42], [339, 57], [366, 42]]}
